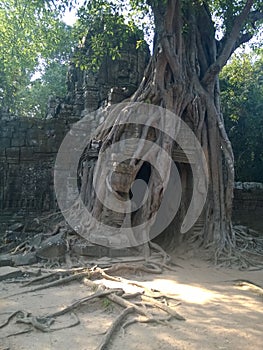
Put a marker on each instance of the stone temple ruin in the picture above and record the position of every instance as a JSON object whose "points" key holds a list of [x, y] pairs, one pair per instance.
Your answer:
{"points": [[28, 149], [29, 146]]}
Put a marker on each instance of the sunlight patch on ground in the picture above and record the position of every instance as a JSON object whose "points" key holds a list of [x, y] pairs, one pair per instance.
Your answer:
{"points": [[186, 292], [128, 288]]}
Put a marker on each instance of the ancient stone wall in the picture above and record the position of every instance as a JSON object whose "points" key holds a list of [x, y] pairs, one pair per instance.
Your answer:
{"points": [[248, 196], [28, 148], [112, 83], [248, 205]]}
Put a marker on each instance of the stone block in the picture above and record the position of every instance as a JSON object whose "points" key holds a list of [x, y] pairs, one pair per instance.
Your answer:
{"points": [[5, 132], [18, 140], [5, 142], [89, 250], [53, 145], [125, 252], [2, 153], [33, 142], [6, 260], [26, 124], [27, 259], [26, 153], [12, 153], [34, 136]]}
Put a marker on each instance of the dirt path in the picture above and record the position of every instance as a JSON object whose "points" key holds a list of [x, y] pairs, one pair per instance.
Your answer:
{"points": [[219, 314]]}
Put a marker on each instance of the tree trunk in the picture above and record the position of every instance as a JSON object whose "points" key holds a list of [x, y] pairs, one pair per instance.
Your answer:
{"points": [[177, 79]]}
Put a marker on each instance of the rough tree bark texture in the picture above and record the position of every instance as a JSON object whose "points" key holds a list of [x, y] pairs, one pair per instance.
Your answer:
{"points": [[182, 76]]}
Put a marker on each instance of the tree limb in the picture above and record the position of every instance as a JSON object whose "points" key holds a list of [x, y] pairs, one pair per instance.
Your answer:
{"points": [[244, 38], [254, 16], [230, 41]]}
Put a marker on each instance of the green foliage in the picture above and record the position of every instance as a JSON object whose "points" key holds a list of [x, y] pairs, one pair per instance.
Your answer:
{"points": [[224, 12], [103, 29], [30, 32], [31, 101], [242, 101]]}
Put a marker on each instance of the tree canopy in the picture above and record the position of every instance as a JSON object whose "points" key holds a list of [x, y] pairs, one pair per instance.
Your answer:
{"points": [[103, 28], [230, 19], [31, 36], [242, 103]]}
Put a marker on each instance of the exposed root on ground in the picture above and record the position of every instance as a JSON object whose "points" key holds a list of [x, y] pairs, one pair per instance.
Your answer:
{"points": [[114, 327], [149, 305], [253, 287], [246, 251]]}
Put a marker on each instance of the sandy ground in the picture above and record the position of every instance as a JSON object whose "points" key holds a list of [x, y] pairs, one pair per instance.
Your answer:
{"points": [[219, 314]]}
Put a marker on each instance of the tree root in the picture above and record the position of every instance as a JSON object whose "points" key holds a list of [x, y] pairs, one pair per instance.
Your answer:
{"points": [[129, 308], [55, 274], [163, 320], [165, 256], [163, 307], [254, 287], [94, 273], [36, 280], [20, 248], [40, 323], [14, 314], [59, 282], [83, 301], [43, 323], [144, 303], [247, 251], [28, 330], [115, 325], [148, 267]]}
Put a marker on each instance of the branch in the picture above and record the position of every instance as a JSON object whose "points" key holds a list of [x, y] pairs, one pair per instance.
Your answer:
{"points": [[254, 16], [230, 41], [244, 38]]}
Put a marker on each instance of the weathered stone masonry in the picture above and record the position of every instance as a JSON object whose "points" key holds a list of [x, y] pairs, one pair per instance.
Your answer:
{"points": [[28, 148]]}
